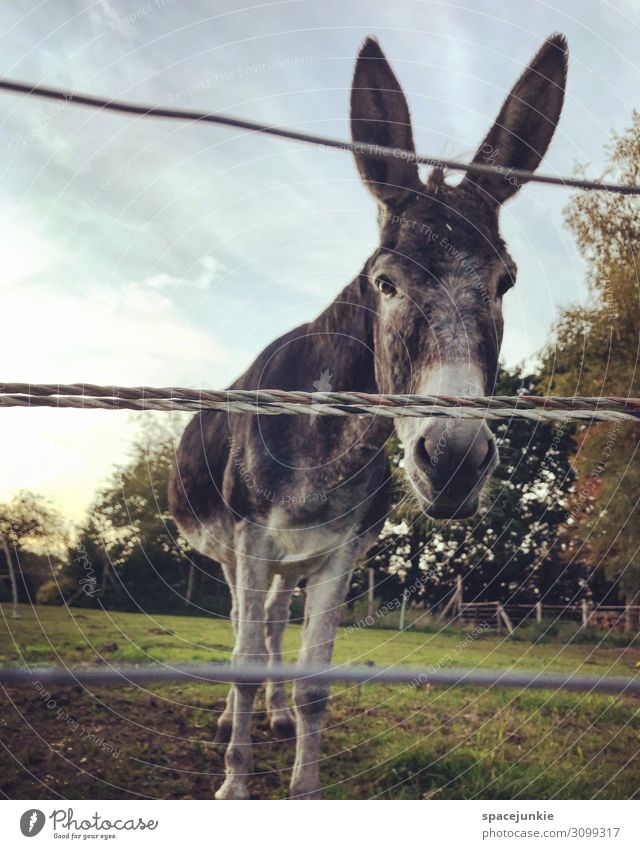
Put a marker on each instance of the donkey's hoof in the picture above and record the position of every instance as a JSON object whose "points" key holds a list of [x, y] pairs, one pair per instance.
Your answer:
{"points": [[233, 788], [283, 728], [223, 732]]}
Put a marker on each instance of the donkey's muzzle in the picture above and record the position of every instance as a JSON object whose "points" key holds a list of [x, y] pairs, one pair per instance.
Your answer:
{"points": [[455, 456]]}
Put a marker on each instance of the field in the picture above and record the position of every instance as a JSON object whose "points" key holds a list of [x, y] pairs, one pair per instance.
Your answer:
{"points": [[380, 741]]}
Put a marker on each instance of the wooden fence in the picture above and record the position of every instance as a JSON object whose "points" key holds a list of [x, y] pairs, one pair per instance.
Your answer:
{"points": [[505, 617]]}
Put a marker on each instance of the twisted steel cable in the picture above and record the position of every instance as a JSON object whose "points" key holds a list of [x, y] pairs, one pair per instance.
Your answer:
{"points": [[87, 396]]}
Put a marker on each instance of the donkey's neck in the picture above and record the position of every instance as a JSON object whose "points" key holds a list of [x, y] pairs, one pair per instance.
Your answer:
{"points": [[340, 342]]}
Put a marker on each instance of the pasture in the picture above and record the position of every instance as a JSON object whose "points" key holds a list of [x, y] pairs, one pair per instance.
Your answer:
{"points": [[380, 741]]}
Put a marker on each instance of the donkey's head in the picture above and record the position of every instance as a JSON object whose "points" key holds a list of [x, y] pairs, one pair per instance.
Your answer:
{"points": [[442, 269]]}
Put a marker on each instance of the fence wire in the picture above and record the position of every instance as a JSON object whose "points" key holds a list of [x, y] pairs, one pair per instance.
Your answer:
{"points": [[378, 151], [254, 673], [86, 396], [275, 402]]}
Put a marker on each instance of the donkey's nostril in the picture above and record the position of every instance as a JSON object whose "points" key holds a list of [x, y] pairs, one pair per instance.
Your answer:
{"points": [[422, 456], [455, 456], [488, 457]]}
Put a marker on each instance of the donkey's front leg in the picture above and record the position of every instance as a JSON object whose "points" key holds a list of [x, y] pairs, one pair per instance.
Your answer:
{"points": [[281, 719], [252, 582], [225, 720], [326, 591]]}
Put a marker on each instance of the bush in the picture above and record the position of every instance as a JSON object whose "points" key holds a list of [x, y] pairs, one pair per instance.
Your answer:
{"points": [[56, 591]]}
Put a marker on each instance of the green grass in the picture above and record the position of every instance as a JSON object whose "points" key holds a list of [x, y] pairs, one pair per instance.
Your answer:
{"points": [[392, 742]]}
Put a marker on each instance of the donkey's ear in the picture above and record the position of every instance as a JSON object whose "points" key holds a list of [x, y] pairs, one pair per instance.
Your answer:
{"points": [[526, 123], [380, 116]]}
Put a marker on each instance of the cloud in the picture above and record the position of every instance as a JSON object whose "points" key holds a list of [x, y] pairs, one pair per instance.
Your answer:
{"points": [[24, 251], [130, 335], [210, 271], [125, 334]]}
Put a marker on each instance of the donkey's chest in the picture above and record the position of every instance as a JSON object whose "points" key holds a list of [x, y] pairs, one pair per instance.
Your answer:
{"points": [[311, 490], [312, 482]]}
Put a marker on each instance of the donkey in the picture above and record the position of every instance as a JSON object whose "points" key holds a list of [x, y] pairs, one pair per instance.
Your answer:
{"points": [[275, 499]]}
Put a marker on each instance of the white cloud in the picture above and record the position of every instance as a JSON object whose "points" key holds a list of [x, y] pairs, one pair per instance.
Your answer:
{"points": [[73, 319], [127, 336], [24, 251], [210, 270]]}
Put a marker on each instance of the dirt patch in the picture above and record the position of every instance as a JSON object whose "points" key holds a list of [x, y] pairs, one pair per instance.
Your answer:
{"points": [[69, 743]]}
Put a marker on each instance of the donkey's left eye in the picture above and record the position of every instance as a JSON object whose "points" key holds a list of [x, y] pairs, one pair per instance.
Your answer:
{"points": [[505, 283], [385, 286]]}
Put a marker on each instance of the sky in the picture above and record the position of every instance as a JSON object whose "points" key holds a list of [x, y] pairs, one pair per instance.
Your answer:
{"points": [[150, 252]]}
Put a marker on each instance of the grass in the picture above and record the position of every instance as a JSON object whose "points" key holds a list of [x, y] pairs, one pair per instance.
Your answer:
{"points": [[380, 741]]}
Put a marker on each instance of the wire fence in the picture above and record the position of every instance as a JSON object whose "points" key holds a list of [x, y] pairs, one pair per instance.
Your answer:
{"points": [[254, 673], [378, 151], [534, 408], [275, 402]]}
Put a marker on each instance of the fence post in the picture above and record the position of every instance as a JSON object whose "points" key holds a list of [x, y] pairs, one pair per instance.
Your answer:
{"points": [[190, 577], [450, 605], [371, 605], [628, 618], [538, 612], [498, 619], [459, 594], [403, 608], [501, 613], [12, 577], [585, 613]]}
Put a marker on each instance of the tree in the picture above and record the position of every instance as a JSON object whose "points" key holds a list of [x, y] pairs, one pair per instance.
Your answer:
{"points": [[130, 550], [34, 541], [595, 352]]}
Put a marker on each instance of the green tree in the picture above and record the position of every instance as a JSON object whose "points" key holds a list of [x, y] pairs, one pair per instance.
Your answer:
{"points": [[34, 537], [130, 552], [595, 352]]}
